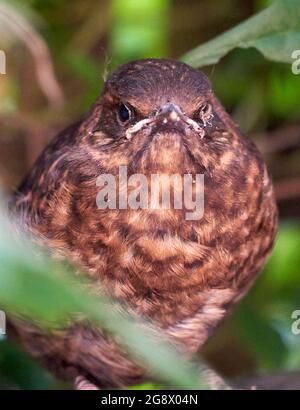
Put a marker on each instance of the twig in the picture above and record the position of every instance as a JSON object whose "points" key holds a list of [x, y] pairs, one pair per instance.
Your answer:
{"points": [[278, 140], [278, 381], [39, 50], [287, 189]]}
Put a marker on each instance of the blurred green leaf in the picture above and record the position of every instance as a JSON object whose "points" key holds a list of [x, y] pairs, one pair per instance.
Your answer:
{"points": [[283, 93], [89, 72], [36, 288], [140, 29], [257, 332], [284, 265], [264, 323], [146, 386], [275, 32], [19, 371]]}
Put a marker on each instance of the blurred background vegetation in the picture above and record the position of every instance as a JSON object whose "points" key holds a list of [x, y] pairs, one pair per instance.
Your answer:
{"points": [[56, 64]]}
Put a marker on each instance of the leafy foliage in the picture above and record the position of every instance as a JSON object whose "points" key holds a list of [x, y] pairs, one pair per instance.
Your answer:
{"points": [[35, 288], [275, 32], [265, 324]]}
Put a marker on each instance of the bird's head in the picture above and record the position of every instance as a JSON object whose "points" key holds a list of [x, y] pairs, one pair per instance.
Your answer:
{"points": [[160, 116]]}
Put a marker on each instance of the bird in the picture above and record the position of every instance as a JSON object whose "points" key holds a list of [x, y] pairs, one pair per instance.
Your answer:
{"points": [[182, 271]]}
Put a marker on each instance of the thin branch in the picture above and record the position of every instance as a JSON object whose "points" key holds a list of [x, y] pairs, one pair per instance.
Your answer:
{"points": [[26, 33], [278, 381], [287, 189], [278, 140]]}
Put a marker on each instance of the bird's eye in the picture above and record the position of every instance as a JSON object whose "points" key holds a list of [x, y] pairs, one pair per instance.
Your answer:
{"points": [[206, 109], [124, 113], [205, 113]]}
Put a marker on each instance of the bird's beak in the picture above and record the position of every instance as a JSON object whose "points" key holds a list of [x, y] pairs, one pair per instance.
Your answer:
{"points": [[169, 112], [168, 115]]}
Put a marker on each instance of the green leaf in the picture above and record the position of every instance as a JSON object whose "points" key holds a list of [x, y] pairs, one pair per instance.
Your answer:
{"points": [[278, 47], [284, 265], [139, 29], [20, 371], [47, 294], [275, 32], [261, 337]]}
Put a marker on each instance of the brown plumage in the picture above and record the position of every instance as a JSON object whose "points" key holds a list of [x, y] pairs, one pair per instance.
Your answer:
{"points": [[184, 275]]}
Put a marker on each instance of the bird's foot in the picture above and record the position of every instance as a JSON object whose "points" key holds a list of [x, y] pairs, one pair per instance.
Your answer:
{"points": [[213, 380], [81, 383]]}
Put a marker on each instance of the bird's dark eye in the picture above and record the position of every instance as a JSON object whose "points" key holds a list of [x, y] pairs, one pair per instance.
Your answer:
{"points": [[206, 109], [205, 113], [124, 113]]}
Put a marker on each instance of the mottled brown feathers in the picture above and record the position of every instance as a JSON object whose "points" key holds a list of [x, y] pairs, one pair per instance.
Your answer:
{"points": [[183, 275]]}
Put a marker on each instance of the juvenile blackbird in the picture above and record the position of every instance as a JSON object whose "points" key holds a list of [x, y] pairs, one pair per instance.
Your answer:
{"points": [[184, 275]]}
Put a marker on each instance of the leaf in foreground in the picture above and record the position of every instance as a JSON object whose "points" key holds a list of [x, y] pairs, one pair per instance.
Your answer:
{"points": [[275, 32], [35, 287]]}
